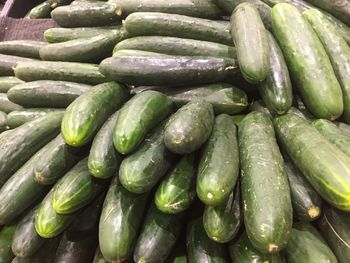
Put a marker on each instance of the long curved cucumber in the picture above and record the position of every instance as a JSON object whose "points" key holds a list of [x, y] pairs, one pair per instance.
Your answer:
{"points": [[22, 48], [8, 82]]}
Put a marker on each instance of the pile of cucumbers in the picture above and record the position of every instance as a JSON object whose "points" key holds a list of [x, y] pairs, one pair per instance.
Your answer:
{"points": [[177, 131]]}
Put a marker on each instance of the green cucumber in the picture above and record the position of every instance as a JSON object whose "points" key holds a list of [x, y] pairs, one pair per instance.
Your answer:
{"points": [[199, 247], [177, 191], [219, 166], [345, 128], [8, 82], [120, 221], [264, 184], [276, 89], [18, 117], [137, 117], [22, 48], [237, 119], [325, 166], [40, 11], [7, 105], [302, 114], [342, 29], [8, 62], [260, 106], [99, 257], [148, 68], [253, 56], [158, 236], [306, 203], [87, 14], [316, 82], [177, 46], [141, 171], [173, 25], [338, 51], [20, 144], [6, 236], [65, 71], [189, 128], [86, 114], [104, 160], [3, 122], [46, 93]]}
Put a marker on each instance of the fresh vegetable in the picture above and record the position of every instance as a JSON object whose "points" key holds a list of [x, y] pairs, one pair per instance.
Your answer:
{"points": [[8, 62], [6, 236], [18, 117], [6, 105], [8, 82], [22, 48], [3, 122]]}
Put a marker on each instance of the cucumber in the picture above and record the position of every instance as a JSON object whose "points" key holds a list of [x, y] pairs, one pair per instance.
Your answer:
{"points": [[6, 236], [173, 25], [276, 89], [333, 134], [306, 203], [301, 48], [219, 166], [316, 157], [158, 236], [86, 115], [8, 62], [158, 69], [17, 118], [3, 122], [189, 128], [87, 14], [7, 105], [337, 50], [345, 128], [22, 48], [199, 247], [342, 29], [8, 82], [141, 171], [65, 71], [40, 11], [20, 144], [104, 160], [334, 225], [26, 241], [260, 106], [221, 223], [177, 191], [137, 117], [264, 184], [253, 56], [46, 93], [237, 119], [120, 221], [302, 114], [99, 257]]}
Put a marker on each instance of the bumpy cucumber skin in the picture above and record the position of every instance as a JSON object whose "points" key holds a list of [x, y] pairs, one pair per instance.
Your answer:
{"points": [[8, 62], [22, 48], [7, 105], [6, 236], [8, 82]]}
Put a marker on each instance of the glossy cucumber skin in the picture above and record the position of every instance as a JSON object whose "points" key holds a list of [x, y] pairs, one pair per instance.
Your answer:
{"points": [[22, 48], [3, 122], [40, 11], [120, 221], [189, 127], [8, 82], [264, 183], [137, 117], [309, 65], [219, 166], [253, 56], [316, 157], [86, 114], [6, 105], [104, 160], [8, 62], [338, 51], [177, 191], [6, 236], [18, 117]]}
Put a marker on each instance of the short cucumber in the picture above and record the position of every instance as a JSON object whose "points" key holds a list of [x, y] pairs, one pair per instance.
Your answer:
{"points": [[22, 48], [6, 236], [46, 93], [218, 169], [7, 105], [8, 62], [8, 82], [189, 128], [177, 190], [137, 117], [3, 122], [99, 257], [41, 10], [86, 115]]}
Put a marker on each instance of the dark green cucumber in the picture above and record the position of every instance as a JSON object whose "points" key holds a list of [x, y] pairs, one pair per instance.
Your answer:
{"points": [[325, 166], [26, 241], [158, 236], [338, 51], [22, 48], [87, 14], [151, 68], [316, 82], [6, 236], [264, 184], [241, 250], [17, 146], [219, 166], [86, 114], [17, 118], [140, 171], [276, 89], [8, 62], [334, 226], [333, 134], [99, 257], [177, 191], [104, 160], [120, 221], [137, 117], [162, 24], [189, 128], [40, 11], [306, 203], [221, 223], [65, 71], [199, 247], [46, 93], [8, 82], [7, 105], [3, 122], [252, 55]]}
